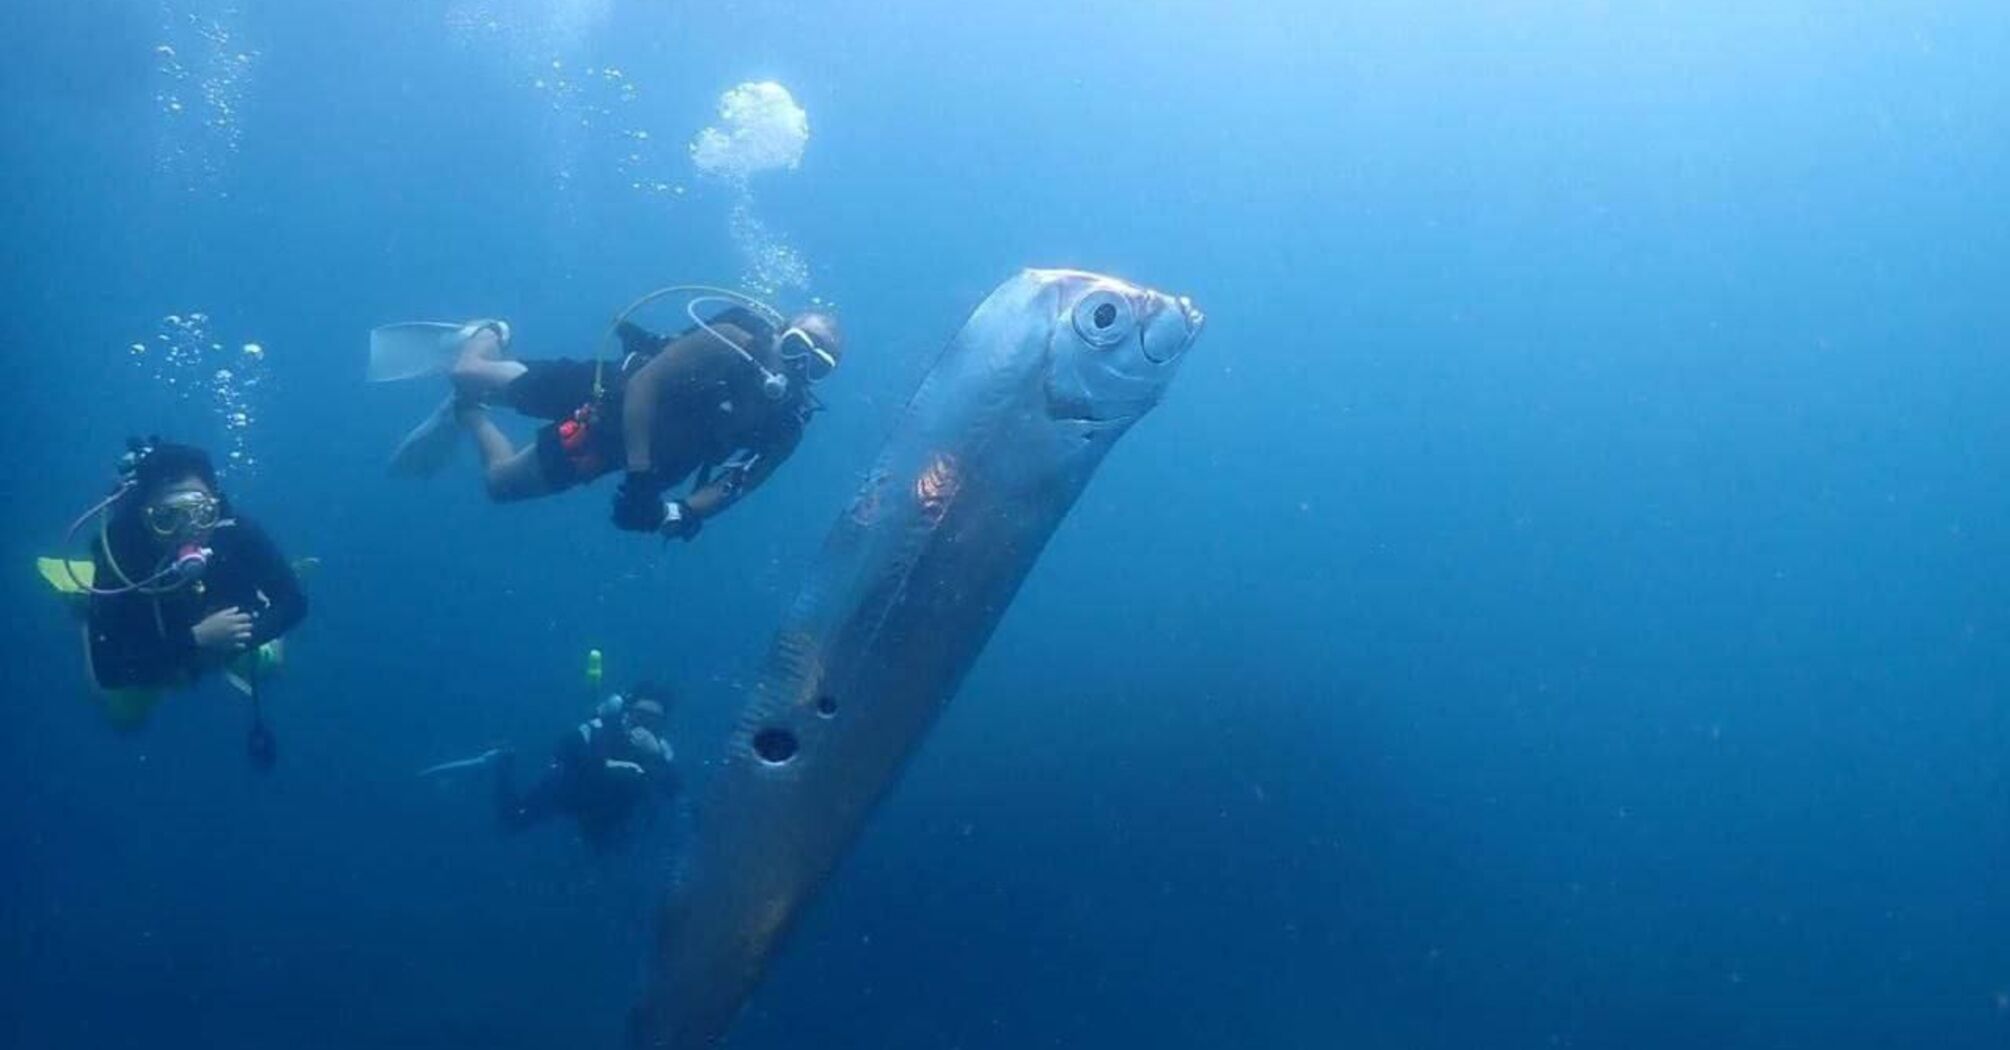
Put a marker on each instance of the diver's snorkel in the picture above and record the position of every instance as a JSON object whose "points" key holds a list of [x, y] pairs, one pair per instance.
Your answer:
{"points": [[190, 561]]}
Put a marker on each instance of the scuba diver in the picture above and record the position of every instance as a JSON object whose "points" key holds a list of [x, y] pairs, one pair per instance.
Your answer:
{"points": [[723, 403], [603, 774], [178, 585]]}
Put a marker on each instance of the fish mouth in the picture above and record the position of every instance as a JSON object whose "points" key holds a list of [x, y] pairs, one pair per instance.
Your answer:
{"points": [[1195, 319], [1191, 318]]}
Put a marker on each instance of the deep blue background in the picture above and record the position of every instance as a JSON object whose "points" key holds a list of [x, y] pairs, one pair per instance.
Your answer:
{"points": [[1562, 603]]}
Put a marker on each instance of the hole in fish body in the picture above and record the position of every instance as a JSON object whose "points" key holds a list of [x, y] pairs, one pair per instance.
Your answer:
{"points": [[775, 746]]}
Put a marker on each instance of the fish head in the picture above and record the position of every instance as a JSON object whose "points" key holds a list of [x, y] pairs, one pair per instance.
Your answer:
{"points": [[1113, 347]]}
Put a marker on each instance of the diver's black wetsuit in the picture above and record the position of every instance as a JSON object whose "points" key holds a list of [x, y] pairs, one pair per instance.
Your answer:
{"points": [[146, 640], [596, 775], [712, 406]]}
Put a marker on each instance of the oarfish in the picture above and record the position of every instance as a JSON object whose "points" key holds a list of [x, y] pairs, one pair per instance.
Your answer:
{"points": [[992, 451]]}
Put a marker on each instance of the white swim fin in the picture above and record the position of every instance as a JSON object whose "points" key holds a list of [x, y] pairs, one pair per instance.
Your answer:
{"points": [[428, 448], [410, 349]]}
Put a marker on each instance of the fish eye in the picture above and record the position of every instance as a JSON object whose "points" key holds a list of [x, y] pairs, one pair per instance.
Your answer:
{"points": [[1104, 318]]}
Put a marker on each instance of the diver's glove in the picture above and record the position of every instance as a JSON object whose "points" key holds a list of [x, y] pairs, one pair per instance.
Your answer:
{"points": [[678, 521], [640, 507], [638, 503]]}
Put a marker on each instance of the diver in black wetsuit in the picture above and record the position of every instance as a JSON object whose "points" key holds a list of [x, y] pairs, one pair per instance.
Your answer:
{"points": [[604, 774], [726, 401], [181, 583]]}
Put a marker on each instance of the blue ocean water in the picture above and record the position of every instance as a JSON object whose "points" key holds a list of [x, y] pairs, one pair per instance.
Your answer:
{"points": [[1559, 605]]}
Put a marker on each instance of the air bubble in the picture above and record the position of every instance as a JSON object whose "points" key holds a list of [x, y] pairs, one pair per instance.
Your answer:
{"points": [[193, 363], [203, 50]]}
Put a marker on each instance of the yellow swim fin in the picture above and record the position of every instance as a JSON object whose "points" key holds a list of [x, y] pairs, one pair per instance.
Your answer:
{"points": [[124, 709], [69, 577], [264, 662], [127, 709]]}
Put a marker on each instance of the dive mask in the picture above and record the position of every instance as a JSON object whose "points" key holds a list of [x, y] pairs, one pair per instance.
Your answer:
{"points": [[801, 349], [183, 513]]}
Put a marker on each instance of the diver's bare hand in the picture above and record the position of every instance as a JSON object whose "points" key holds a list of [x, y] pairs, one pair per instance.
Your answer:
{"points": [[644, 741], [223, 631]]}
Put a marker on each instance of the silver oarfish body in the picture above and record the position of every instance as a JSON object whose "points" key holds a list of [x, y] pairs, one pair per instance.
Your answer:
{"points": [[995, 447]]}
